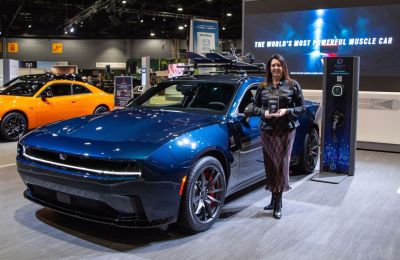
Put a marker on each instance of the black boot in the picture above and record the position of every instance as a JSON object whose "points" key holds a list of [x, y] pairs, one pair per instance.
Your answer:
{"points": [[278, 206], [272, 203]]}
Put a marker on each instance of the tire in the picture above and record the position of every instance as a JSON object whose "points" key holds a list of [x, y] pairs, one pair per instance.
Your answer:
{"points": [[100, 110], [310, 155], [203, 196], [13, 126]]}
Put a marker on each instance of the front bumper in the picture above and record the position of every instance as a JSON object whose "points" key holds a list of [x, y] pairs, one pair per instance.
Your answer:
{"points": [[121, 201]]}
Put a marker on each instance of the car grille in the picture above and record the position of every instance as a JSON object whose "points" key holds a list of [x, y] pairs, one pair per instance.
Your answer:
{"points": [[85, 163], [87, 206]]}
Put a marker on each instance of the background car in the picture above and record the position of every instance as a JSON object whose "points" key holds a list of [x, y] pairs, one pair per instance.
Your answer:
{"points": [[35, 100], [172, 155]]}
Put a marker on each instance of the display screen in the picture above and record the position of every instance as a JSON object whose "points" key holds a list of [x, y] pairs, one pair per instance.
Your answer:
{"points": [[304, 38]]}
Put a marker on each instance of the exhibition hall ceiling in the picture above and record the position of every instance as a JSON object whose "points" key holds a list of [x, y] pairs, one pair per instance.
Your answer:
{"points": [[115, 18]]}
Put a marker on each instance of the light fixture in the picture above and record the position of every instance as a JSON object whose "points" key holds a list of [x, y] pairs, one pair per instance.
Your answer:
{"points": [[30, 26], [152, 34], [180, 9], [141, 20], [65, 32], [229, 14], [180, 27], [185, 25], [72, 29], [223, 28], [153, 18], [124, 2]]}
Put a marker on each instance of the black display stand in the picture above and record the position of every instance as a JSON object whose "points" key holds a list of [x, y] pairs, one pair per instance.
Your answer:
{"points": [[339, 120]]}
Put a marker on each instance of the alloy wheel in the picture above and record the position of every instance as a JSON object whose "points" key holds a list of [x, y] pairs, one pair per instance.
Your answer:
{"points": [[14, 126], [207, 194]]}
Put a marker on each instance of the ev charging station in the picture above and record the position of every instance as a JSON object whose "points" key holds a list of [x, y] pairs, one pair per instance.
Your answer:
{"points": [[339, 120]]}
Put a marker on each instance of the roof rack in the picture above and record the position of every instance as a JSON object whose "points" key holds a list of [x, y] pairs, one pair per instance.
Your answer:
{"points": [[230, 63]]}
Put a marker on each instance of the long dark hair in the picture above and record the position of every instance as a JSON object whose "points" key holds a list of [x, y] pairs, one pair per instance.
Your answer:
{"points": [[285, 73]]}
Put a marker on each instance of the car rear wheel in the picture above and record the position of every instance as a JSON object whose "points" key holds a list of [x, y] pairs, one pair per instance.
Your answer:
{"points": [[13, 126], [203, 196], [100, 109], [311, 152]]}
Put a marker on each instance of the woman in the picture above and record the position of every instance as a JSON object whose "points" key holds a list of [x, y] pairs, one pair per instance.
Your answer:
{"points": [[278, 101]]}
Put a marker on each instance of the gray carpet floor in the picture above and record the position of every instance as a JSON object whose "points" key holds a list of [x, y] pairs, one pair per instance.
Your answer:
{"points": [[356, 219]]}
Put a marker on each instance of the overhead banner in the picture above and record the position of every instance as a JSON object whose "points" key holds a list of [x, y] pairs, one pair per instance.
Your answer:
{"points": [[204, 35], [57, 48]]}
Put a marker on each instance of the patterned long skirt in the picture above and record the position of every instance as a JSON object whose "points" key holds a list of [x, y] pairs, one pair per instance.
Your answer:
{"points": [[277, 149]]}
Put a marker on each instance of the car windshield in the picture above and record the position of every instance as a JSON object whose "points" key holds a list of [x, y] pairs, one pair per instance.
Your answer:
{"points": [[22, 88], [208, 97]]}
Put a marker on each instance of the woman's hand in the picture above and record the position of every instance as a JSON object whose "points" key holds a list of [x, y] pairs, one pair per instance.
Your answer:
{"points": [[281, 112], [268, 115]]}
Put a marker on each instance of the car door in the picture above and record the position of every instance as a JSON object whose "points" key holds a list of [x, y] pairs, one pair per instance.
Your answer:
{"points": [[250, 151], [55, 103], [83, 100]]}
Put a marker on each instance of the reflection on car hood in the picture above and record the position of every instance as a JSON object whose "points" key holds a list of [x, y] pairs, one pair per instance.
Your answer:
{"points": [[137, 124]]}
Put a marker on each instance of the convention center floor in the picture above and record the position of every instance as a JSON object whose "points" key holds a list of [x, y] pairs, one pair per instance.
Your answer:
{"points": [[356, 219]]}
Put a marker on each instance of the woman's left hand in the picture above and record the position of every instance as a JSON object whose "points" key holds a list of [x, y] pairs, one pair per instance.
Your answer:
{"points": [[281, 112]]}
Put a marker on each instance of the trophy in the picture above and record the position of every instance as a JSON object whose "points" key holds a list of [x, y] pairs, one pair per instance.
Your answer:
{"points": [[273, 104]]}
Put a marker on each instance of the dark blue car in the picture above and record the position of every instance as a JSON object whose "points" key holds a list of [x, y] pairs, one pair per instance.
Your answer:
{"points": [[172, 155]]}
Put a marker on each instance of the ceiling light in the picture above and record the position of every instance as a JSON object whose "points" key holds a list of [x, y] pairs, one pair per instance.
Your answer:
{"points": [[124, 2], [72, 29], [141, 20], [229, 14], [65, 32], [223, 28], [180, 9], [152, 34], [153, 18], [164, 19], [180, 27], [30, 26], [185, 25]]}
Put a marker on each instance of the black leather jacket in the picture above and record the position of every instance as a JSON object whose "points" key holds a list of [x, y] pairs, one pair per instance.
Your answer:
{"points": [[290, 97]]}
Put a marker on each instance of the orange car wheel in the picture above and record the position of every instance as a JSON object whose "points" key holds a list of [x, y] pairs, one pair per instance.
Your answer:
{"points": [[13, 126], [100, 109]]}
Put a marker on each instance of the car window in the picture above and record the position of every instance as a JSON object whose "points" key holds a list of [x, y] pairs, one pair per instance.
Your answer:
{"points": [[191, 95], [22, 88], [57, 90], [79, 89], [247, 98]]}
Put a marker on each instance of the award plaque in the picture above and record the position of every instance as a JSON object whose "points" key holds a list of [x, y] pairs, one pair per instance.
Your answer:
{"points": [[273, 104]]}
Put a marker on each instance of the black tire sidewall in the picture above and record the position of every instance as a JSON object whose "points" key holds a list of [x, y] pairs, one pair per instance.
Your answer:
{"points": [[304, 163]]}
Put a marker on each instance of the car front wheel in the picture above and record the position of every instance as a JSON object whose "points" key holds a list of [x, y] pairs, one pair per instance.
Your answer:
{"points": [[13, 126], [203, 196]]}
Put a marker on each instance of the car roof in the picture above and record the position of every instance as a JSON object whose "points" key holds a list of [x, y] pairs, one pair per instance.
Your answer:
{"points": [[220, 78], [44, 78]]}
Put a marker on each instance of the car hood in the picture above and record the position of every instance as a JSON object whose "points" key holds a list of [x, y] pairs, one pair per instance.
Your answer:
{"points": [[136, 131], [6, 99]]}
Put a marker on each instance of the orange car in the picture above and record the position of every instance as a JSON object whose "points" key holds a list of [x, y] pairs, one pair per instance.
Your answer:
{"points": [[33, 101]]}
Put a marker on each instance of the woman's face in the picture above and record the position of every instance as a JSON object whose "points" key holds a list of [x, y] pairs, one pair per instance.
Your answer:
{"points": [[276, 69]]}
